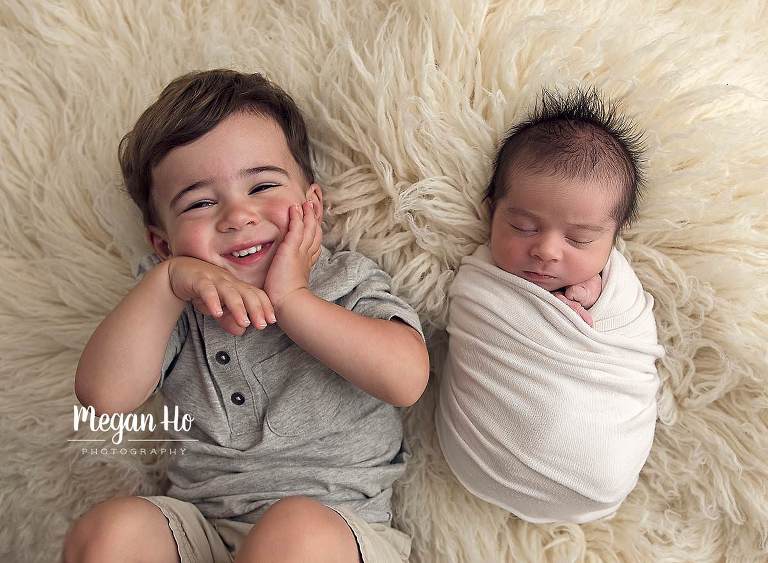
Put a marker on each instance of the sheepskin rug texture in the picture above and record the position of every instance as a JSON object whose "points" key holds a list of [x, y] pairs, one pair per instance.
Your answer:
{"points": [[405, 102]]}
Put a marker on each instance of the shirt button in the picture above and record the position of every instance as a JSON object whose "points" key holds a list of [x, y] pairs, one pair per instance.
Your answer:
{"points": [[222, 358], [237, 398]]}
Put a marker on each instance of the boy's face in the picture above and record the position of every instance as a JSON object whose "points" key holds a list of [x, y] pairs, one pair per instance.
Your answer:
{"points": [[229, 191], [553, 232]]}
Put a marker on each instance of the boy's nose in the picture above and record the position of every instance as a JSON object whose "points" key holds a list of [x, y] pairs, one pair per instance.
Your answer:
{"points": [[236, 217], [547, 248]]}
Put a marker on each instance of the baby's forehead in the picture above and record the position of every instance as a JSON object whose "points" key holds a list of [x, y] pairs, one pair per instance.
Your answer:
{"points": [[603, 185], [581, 200]]}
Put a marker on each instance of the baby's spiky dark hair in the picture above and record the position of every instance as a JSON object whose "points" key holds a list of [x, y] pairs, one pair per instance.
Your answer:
{"points": [[575, 135]]}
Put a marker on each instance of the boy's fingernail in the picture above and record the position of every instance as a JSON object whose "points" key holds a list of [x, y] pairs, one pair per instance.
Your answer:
{"points": [[272, 319], [246, 322]]}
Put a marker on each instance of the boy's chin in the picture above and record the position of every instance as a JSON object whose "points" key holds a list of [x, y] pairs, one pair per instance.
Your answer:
{"points": [[255, 281]]}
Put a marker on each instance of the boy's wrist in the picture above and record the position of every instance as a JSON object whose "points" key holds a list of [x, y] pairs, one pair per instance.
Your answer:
{"points": [[163, 272], [294, 298]]}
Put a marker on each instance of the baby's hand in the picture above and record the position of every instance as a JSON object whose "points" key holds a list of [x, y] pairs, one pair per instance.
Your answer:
{"points": [[211, 289], [576, 306], [585, 293], [296, 255], [581, 296]]}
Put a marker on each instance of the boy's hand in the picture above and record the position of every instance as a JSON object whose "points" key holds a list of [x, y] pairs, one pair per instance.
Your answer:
{"points": [[297, 253], [211, 289], [581, 296]]}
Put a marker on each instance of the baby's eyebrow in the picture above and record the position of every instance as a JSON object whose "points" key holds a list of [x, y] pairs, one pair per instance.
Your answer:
{"points": [[578, 226], [592, 228], [521, 212], [244, 173]]}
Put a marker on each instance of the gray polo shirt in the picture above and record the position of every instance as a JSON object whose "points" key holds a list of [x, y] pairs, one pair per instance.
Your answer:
{"points": [[271, 421]]}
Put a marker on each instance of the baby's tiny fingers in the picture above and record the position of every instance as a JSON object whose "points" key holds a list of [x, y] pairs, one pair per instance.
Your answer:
{"points": [[575, 293], [577, 307]]}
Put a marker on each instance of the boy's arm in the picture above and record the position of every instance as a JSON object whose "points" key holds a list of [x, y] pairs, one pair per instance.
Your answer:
{"points": [[121, 362], [386, 359]]}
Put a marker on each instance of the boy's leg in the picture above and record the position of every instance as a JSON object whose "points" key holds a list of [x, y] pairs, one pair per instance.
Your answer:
{"points": [[299, 529], [120, 530]]}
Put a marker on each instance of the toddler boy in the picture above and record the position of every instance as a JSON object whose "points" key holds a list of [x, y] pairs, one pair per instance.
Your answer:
{"points": [[292, 359]]}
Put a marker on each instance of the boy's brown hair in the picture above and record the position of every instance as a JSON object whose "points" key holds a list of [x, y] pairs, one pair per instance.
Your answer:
{"points": [[191, 106]]}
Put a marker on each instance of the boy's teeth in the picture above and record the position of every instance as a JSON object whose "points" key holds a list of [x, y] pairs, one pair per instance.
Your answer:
{"points": [[247, 251]]}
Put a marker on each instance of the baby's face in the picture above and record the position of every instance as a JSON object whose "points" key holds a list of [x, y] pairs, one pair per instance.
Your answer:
{"points": [[553, 232], [229, 192]]}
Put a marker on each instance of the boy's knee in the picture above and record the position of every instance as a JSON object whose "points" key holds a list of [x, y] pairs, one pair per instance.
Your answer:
{"points": [[115, 530], [300, 529]]}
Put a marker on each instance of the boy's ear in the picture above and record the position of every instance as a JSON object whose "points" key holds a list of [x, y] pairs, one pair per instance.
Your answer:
{"points": [[159, 242], [315, 195]]}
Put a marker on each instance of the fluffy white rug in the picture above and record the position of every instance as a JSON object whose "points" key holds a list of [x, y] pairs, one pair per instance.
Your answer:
{"points": [[405, 101]]}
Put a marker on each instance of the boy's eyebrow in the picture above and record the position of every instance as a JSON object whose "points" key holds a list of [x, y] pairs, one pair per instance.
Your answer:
{"points": [[592, 228], [244, 173]]}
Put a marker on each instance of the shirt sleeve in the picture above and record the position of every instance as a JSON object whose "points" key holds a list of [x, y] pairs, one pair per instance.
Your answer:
{"points": [[373, 297], [180, 330]]}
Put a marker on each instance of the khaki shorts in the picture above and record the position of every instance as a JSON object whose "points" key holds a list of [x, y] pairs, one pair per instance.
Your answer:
{"points": [[215, 540]]}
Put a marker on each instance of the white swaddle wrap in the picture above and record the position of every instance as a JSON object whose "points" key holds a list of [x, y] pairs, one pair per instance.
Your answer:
{"points": [[539, 413]]}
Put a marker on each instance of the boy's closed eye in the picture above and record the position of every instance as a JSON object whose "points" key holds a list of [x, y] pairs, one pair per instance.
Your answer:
{"points": [[204, 203]]}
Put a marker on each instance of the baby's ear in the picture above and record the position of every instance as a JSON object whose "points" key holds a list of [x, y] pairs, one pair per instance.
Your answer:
{"points": [[159, 242]]}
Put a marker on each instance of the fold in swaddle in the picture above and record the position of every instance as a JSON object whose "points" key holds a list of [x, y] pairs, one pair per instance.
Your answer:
{"points": [[538, 412]]}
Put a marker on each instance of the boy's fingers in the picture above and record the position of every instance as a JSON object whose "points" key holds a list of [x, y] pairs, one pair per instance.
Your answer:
{"points": [[295, 225], [234, 302], [255, 309], [210, 296], [202, 307], [309, 226], [229, 324], [266, 306], [317, 236], [315, 256]]}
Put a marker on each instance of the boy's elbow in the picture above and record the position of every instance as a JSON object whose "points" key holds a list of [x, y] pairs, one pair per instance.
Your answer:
{"points": [[101, 401], [88, 399], [409, 398], [418, 369]]}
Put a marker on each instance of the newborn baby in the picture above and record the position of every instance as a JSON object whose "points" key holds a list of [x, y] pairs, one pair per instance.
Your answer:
{"points": [[546, 409]]}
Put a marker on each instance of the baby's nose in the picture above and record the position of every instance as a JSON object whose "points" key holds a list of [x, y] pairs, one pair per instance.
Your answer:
{"points": [[547, 248]]}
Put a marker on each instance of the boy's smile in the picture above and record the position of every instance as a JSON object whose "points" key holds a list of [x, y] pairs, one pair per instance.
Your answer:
{"points": [[224, 198], [553, 232]]}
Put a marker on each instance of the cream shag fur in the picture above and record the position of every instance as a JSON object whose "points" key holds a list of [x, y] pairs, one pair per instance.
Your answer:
{"points": [[405, 102]]}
